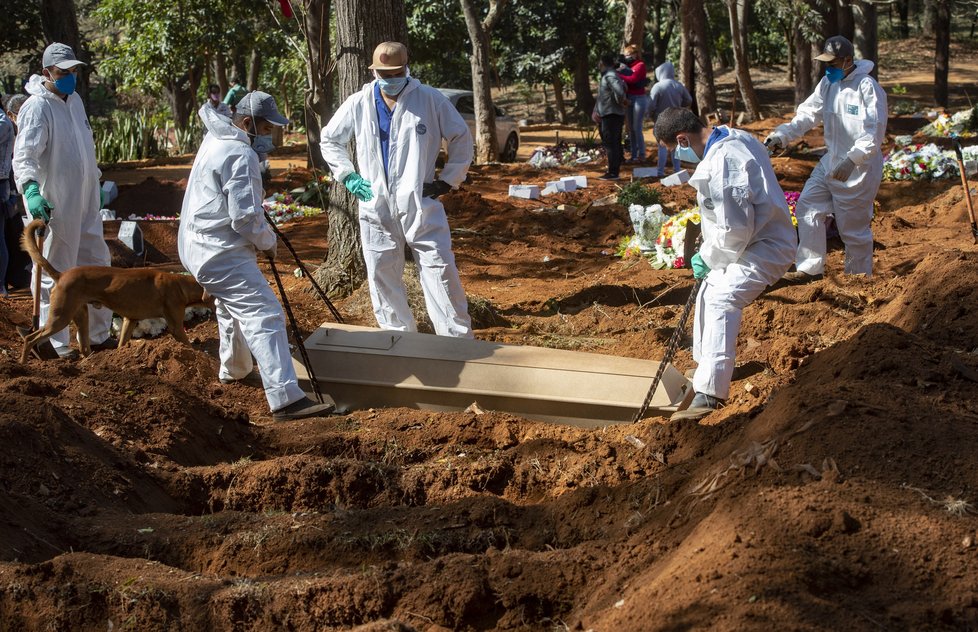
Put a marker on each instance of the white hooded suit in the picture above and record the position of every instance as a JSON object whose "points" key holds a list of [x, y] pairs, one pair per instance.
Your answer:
{"points": [[748, 244], [222, 225], [398, 214], [853, 112], [54, 147]]}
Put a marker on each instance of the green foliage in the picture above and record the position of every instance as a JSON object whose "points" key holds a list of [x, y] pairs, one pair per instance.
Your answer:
{"points": [[316, 192], [125, 136], [898, 89], [638, 193], [434, 25]]}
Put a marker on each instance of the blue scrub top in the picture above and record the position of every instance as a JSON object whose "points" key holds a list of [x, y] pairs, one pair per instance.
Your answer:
{"points": [[384, 116], [719, 133]]}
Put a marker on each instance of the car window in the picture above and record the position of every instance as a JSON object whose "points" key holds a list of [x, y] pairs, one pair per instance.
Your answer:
{"points": [[465, 105], [499, 111]]}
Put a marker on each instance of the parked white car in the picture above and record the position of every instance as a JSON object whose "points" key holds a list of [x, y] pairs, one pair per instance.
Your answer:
{"points": [[507, 129]]}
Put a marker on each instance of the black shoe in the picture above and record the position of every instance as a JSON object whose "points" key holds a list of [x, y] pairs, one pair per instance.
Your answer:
{"points": [[253, 379], [302, 409], [701, 406], [67, 353], [609, 176], [105, 345]]}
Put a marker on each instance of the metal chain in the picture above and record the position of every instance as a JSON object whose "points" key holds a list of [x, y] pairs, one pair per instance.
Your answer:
{"points": [[295, 255], [677, 336], [296, 334]]}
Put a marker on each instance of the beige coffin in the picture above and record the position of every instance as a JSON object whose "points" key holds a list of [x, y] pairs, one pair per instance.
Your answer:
{"points": [[362, 367]]}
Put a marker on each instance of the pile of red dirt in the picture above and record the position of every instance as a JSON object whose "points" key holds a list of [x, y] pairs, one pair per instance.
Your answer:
{"points": [[834, 491]]}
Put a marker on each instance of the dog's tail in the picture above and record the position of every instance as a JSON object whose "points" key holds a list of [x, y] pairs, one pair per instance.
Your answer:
{"points": [[28, 243]]}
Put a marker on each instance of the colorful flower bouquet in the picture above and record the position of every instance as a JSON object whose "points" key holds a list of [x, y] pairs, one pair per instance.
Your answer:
{"points": [[669, 246], [282, 207], [791, 197], [153, 218], [924, 162], [963, 124]]}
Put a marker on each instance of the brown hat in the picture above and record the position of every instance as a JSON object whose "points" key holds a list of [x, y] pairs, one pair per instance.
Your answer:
{"points": [[836, 47], [389, 56]]}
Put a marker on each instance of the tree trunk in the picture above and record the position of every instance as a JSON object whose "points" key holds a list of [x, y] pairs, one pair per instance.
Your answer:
{"points": [[319, 90], [221, 73], [903, 8], [635, 14], [867, 40], [254, 69], [743, 19], [929, 19], [942, 52], [486, 143], [696, 62], [803, 66], [360, 26], [59, 23], [182, 92], [846, 22], [240, 68], [558, 86], [582, 73], [751, 104]]}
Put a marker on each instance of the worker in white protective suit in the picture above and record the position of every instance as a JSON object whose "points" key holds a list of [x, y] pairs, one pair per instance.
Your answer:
{"points": [[748, 241], [852, 108], [56, 171], [222, 227], [399, 125]]}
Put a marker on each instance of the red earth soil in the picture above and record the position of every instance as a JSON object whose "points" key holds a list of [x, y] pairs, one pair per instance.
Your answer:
{"points": [[835, 491]]}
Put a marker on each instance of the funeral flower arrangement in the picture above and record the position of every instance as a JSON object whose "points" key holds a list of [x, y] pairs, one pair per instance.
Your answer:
{"points": [[672, 237], [282, 207], [924, 162], [563, 154], [153, 327], [791, 197], [963, 124]]}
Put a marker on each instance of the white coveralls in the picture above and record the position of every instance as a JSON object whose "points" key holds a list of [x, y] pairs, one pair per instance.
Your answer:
{"points": [[854, 114], [748, 244], [222, 224], [398, 214], [54, 147]]}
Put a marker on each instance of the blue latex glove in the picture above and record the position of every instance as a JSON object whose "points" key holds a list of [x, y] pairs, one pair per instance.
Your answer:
{"points": [[359, 187], [36, 204], [700, 269]]}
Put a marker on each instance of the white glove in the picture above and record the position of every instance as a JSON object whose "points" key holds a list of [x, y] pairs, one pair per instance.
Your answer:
{"points": [[843, 170], [774, 141]]}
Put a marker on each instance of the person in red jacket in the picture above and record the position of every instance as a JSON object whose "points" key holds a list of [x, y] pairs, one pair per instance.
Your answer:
{"points": [[633, 72]]}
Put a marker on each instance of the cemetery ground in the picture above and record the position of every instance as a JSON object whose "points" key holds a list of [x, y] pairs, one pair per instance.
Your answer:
{"points": [[837, 490]]}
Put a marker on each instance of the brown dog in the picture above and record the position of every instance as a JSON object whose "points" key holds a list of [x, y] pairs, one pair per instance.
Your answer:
{"points": [[134, 294]]}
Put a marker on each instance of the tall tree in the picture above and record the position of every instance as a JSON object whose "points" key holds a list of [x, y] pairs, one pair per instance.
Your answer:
{"points": [[59, 21], [486, 143], [741, 63], [360, 26], [866, 39], [319, 91], [695, 60], [635, 15], [942, 51]]}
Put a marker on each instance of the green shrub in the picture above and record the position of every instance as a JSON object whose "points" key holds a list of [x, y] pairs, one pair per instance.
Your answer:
{"points": [[638, 193]]}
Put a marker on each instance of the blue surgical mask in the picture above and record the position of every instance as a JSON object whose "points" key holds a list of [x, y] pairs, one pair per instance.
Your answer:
{"points": [[834, 74], [262, 143], [392, 86], [66, 84], [686, 154]]}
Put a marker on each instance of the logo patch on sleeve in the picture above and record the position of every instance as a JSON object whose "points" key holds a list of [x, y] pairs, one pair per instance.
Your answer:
{"points": [[852, 110], [421, 129]]}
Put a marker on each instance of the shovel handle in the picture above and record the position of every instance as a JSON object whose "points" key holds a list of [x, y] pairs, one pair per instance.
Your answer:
{"points": [[967, 191]]}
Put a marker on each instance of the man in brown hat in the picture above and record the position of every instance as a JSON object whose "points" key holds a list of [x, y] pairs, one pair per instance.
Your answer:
{"points": [[851, 106], [399, 125]]}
